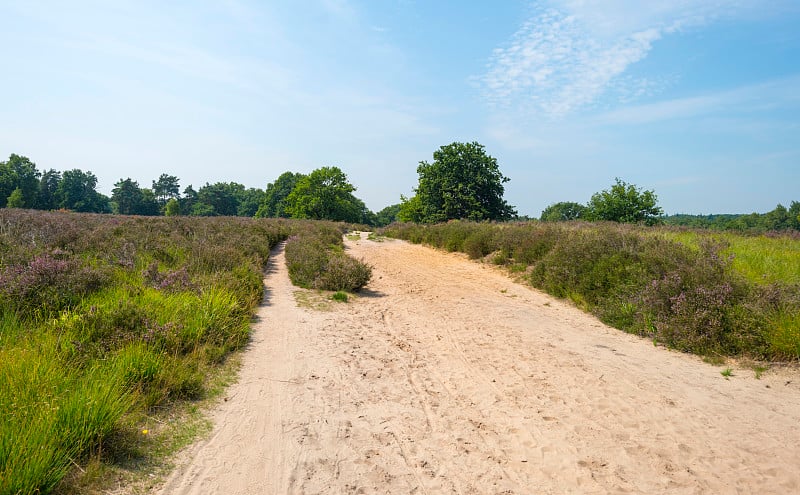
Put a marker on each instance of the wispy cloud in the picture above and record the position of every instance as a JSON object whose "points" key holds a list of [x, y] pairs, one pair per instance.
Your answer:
{"points": [[767, 96], [572, 52], [555, 66]]}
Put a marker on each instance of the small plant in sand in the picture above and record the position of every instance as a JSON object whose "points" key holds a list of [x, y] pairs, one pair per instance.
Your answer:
{"points": [[759, 370], [727, 372], [339, 296]]}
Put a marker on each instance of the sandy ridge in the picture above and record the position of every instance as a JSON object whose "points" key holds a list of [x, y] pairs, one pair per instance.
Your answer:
{"points": [[447, 377]]}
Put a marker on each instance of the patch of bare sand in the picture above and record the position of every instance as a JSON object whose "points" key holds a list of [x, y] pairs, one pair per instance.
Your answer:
{"points": [[447, 377]]}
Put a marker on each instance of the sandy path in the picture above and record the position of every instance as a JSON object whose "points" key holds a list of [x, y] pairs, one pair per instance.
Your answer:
{"points": [[447, 377]]}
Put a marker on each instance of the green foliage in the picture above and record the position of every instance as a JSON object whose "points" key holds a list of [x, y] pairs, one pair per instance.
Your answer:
{"points": [[315, 259], [15, 199], [684, 290], [274, 202], [77, 192], [325, 194], [779, 219], [167, 187], [172, 208], [563, 212], [19, 173], [249, 201], [127, 198], [463, 182], [48, 185], [218, 199], [387, 215], [339, 296], [411, 210], [625, 203], [104, 319]]}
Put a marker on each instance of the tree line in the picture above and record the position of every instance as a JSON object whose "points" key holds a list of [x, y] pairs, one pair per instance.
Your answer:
{"points": [[462, 182], [627, 203], [325, 194]]}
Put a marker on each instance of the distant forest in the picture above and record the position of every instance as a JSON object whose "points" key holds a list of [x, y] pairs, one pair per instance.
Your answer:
{"points": [[781, 218], [325, 193]]}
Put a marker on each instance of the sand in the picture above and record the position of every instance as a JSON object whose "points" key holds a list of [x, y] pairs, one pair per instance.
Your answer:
{"points": [[446, 376]]}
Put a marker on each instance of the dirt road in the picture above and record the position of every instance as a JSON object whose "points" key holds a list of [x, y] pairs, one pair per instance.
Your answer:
{"points": [[447, 377]]}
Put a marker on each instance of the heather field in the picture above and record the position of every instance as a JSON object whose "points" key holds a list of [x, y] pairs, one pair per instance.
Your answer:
{"points": [[110, 326], [109, 322], [715, 294]]}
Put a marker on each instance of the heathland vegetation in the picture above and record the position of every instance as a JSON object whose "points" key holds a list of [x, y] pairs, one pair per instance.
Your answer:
{"points": [[709, 294], [108, 321]]}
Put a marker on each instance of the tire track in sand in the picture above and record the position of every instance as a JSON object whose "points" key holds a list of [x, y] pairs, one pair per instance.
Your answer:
{"points": [[447, 377]]}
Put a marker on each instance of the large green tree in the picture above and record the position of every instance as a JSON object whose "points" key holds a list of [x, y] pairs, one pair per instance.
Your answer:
{"points": [[127, 198], [165, 188], [274, 203], [18, 172], [77, 191], [463, 182], [188, 201], [325, 194], [48, 185], [625, 203]]}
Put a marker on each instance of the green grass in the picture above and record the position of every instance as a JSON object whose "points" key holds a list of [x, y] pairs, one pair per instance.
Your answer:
{"points": [[107, 322], [766, 260], [53, 412], [761, 259], [339, 296]]}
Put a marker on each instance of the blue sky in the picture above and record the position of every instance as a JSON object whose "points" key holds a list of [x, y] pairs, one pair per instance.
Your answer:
{"points": [[697, 100]]}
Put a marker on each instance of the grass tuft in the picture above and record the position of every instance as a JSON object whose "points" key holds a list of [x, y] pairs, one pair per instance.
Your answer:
{"points": [[339, 296]]}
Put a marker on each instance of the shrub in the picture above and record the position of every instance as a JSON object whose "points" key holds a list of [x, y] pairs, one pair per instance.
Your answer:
{"points": [[343, 273], [315, 260], [48, 284]]}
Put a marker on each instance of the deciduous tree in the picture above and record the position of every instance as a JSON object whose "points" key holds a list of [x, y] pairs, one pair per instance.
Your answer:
{"points": [[77, 191], [48, 185], [463, 182], [325, 194], [274, 203], [625, 203], [19, 173]]}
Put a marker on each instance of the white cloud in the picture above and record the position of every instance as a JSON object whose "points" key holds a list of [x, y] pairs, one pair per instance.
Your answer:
{"points": [[571, 52]]}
